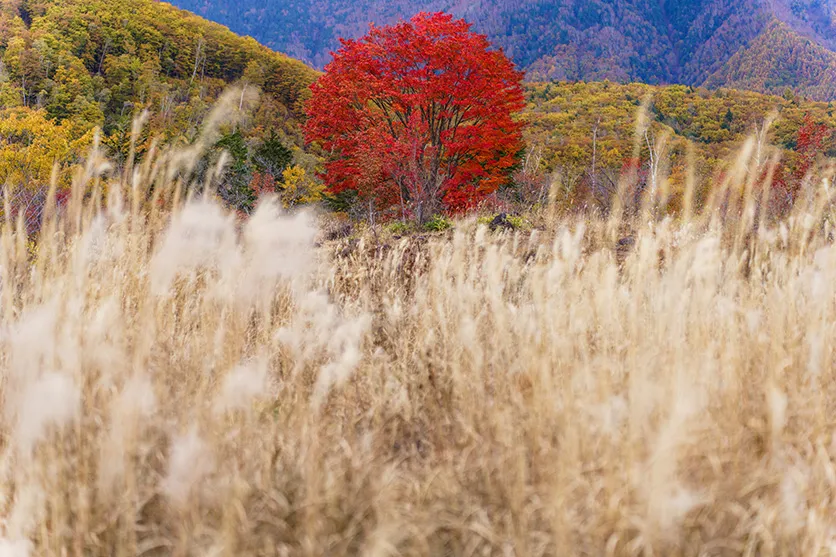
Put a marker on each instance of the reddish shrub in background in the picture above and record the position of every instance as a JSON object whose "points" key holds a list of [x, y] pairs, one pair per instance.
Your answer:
{"points": [[418, 117], [262, 183], [809, 144], [30, 203], [786, 183]]}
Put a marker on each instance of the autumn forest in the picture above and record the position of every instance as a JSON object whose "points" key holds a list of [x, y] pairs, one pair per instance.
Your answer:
{"points": [[72, 67]]}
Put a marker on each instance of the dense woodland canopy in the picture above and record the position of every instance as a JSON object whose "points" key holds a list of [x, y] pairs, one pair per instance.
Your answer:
{"points": [[652, 41], [570, 124], [70, 66], [779, 59]]}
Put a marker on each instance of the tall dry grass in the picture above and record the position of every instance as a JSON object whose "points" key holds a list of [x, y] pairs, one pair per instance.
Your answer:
{"points": [[175, 382]]}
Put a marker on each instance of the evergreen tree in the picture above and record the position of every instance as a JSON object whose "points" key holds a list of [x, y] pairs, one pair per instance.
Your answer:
{"points": [[272, 157], [235, 184]]}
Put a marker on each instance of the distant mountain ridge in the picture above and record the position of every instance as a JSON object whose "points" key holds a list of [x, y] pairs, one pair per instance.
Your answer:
{"points": [[694, 42]]}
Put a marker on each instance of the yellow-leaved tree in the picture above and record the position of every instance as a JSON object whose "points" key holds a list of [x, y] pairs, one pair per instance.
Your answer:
{"points": [[299, 187], [31, 144]]}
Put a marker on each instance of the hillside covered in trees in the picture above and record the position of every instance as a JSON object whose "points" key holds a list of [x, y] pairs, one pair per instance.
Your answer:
{"points": [[695, 42], [584, 136], [70, 66]]}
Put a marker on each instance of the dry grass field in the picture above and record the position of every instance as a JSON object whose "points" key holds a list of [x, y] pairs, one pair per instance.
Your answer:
{"points": [[177, 382]]}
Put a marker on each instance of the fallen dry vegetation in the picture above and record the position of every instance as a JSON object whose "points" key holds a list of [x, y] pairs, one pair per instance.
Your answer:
{"points": [[175, 382]]}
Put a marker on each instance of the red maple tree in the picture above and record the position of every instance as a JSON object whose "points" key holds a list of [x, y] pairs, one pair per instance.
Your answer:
{"points": [[418, 116]]}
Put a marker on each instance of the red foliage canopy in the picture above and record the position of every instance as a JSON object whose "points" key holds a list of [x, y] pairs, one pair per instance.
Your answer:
{"points": [[418, 116], [809, 144]]}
